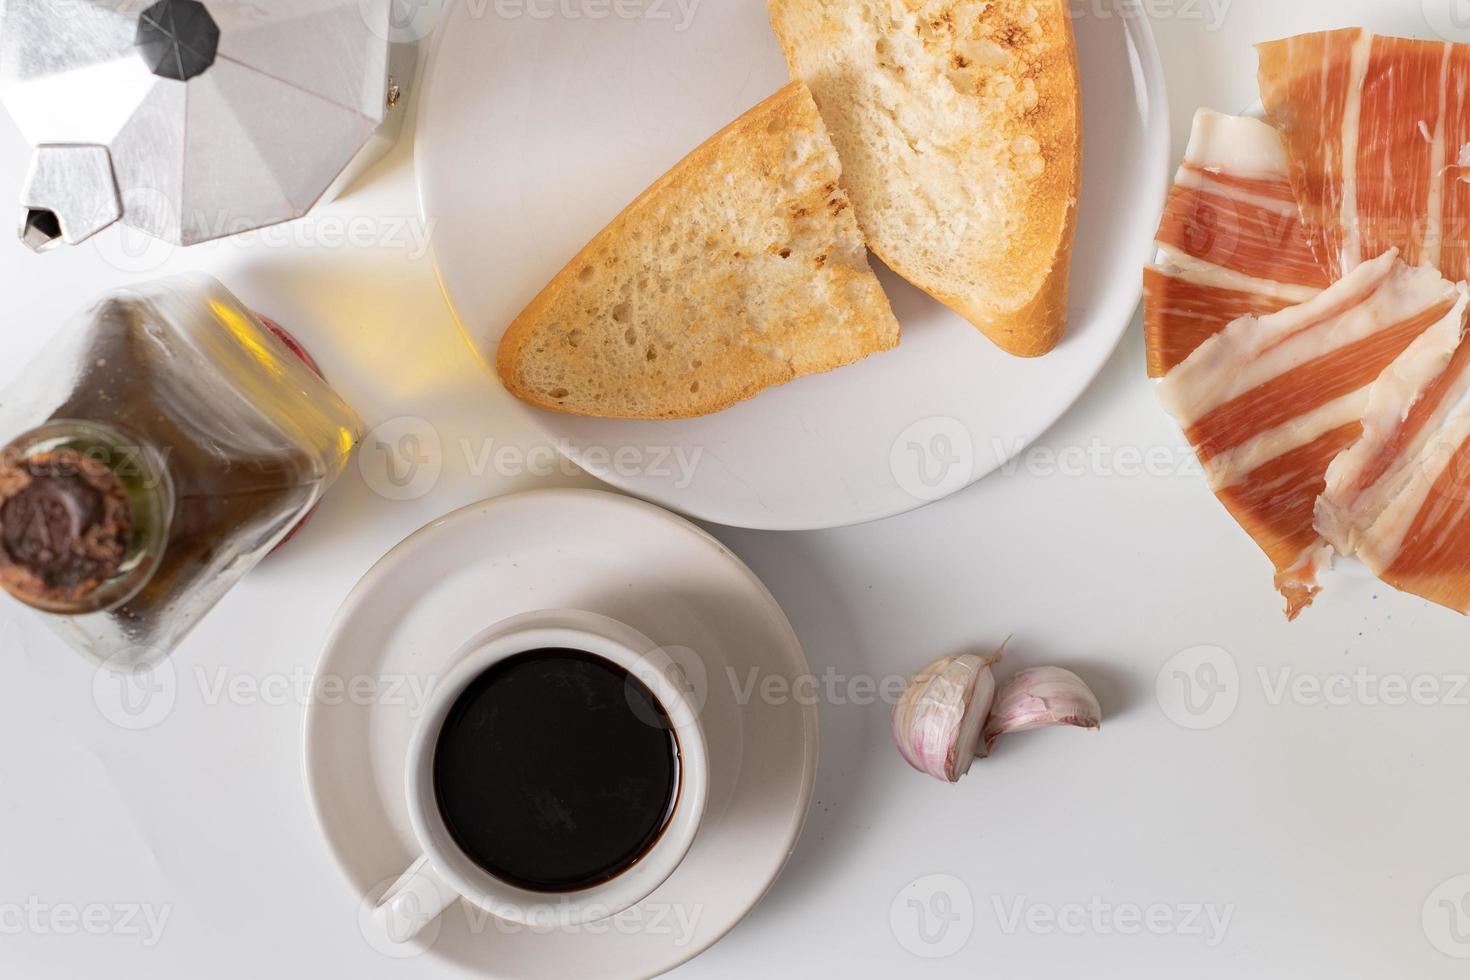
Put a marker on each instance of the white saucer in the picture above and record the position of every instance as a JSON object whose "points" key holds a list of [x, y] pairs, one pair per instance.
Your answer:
{"points": [[566, 549], [536, 130]]}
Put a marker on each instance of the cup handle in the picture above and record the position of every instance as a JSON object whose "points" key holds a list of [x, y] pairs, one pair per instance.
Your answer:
{"points": [[418, 897]]}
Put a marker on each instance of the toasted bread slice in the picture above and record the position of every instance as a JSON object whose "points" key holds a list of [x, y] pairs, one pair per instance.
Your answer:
{"points": [[959, 124], [740, 269]]}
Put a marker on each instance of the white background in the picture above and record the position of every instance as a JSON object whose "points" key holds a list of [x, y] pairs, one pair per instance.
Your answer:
{"points": [[1328, 828]]}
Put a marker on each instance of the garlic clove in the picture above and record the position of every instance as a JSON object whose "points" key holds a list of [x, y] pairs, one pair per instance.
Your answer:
{"points": [[1041, 697], [938, 722]]}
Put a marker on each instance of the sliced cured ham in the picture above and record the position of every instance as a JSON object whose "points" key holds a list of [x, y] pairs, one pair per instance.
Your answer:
{"points": [[1232, 242], [1378, 133], [1271, 401], [1399, 497]]}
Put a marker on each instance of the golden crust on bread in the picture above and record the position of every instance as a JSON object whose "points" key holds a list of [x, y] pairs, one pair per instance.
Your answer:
{"points": [[959, 125], [740, 269]]}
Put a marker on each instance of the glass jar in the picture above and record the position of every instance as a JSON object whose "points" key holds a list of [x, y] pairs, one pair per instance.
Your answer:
{"points": [[155, 451]]}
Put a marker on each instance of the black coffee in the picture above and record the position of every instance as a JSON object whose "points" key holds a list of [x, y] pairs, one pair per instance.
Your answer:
{"points": [[556, 770]]}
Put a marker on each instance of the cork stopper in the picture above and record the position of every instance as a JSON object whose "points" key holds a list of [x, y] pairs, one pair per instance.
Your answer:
{"points": [[65, 527]]}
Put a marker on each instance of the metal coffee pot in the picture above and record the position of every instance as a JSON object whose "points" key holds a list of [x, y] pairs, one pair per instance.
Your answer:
{"points": [[193, 120]]}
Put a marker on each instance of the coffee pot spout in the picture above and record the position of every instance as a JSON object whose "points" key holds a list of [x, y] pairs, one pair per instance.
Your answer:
{"points": [[70, 195]]}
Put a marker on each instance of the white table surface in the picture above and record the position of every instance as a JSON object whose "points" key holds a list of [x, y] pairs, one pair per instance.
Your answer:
{"points": [[1318, 815]]}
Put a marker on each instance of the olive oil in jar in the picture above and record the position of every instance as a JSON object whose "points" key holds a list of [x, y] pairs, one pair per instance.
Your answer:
{"points": [[155, 452]]}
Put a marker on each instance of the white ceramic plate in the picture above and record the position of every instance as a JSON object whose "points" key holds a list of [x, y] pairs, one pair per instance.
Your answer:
{"points": [[604, 553], [537, 130]]}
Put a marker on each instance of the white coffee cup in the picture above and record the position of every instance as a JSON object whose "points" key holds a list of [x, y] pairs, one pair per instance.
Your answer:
{"points": [[445, 874]]}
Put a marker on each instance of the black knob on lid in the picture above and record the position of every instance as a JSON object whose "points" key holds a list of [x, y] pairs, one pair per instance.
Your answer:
{"points": [[177, 39]]}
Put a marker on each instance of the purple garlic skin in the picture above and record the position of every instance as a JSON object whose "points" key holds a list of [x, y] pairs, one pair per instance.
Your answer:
{"points": [[1041, 697], [939, 720]]}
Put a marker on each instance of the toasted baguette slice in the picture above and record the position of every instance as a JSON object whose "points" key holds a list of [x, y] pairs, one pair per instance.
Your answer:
{"points": [[959, 127], [740, 269]]}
